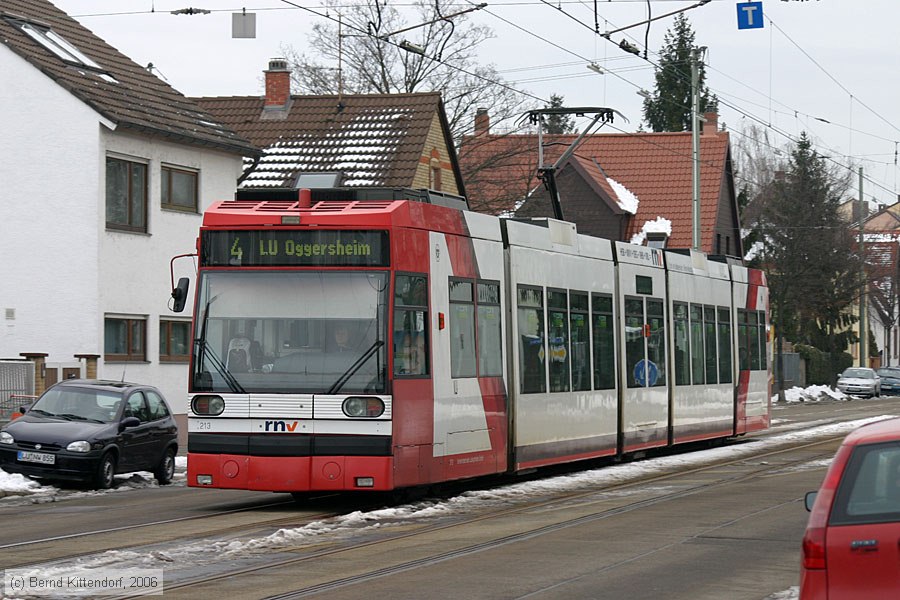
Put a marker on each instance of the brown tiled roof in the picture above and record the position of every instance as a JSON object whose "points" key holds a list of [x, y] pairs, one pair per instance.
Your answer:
{"points": [[373, 139], [136, 100], [655, 167], [885, 220]]}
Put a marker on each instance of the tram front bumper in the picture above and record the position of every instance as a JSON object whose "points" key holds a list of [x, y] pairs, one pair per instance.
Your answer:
{"points": [[290, 473]]}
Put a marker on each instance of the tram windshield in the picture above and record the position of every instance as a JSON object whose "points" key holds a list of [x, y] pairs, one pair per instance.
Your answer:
{"points": [[322, 332]]}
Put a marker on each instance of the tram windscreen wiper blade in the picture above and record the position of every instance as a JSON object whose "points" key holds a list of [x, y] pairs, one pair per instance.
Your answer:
{"points": [[220, 367], [352, 369]]}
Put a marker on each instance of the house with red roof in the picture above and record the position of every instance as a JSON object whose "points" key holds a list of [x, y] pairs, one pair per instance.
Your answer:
{"points": [[618, 186]]}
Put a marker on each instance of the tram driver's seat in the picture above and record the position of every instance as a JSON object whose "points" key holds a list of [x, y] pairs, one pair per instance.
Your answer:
{"points": [[238, 359]]}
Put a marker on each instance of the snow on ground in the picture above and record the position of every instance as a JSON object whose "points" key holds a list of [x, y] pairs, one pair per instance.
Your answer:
{"points": [[18, 489]]}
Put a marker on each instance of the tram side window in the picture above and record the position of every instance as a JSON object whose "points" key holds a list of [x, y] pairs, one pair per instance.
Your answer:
{"points": [[724, 345], [557, 308], [682, 345], [580, 341], [634, 338], [709, 330], [530, 319], [753, 339], [697, 358], [743, 352], [411, 325], [763, 338], [490, 340], [604, 343], [656, 344], [462, 329]]}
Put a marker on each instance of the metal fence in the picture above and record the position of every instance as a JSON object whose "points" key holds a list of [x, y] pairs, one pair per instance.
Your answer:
{"points": [[16, 386]]}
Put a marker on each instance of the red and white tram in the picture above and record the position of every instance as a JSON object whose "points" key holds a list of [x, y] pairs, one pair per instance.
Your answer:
{"points": [[373, 340]]}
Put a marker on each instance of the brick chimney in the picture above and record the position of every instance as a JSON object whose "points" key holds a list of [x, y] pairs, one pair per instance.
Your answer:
{"points": [[711, 127], [278, 83], [482, 122]]}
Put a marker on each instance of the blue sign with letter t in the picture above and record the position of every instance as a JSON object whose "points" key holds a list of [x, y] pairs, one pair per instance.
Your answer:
{"points": [[750, 15]]}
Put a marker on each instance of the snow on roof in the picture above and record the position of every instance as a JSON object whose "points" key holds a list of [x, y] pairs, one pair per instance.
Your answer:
{"points": [[660, 225], [624, 197], [363, 150]]}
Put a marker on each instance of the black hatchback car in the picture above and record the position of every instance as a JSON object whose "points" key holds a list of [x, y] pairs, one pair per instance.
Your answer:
{"points": [[90, 430]]}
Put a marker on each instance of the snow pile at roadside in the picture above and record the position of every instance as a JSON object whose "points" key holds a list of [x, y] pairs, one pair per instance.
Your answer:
{"points": [[13, 484], [814, 393]]}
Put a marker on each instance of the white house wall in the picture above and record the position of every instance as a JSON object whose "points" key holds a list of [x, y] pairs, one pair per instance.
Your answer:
{"points": [[142, 260], [48, 216], [62, 270]]}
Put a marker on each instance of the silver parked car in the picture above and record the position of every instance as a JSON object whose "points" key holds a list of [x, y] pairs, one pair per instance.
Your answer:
{"points": [[859, 381]]}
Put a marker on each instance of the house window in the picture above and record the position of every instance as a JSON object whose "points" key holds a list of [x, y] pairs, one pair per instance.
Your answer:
{"points": [[179, 189], [59, 46], [126, 195], [436, 183], [174, 340], [124, 339]]}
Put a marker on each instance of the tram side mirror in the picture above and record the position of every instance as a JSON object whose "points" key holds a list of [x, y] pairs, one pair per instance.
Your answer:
{"points": [[179, 294]]}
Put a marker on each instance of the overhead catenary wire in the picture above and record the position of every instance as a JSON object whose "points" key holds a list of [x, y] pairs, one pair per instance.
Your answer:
{"points": [[742, 111]]}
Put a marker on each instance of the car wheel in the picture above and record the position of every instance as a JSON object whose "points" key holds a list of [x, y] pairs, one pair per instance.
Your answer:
{"points": [[106, 470], [165, 470]]}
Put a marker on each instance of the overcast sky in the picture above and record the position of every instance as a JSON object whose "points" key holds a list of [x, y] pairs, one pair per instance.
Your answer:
{"points": [[813, 61]]}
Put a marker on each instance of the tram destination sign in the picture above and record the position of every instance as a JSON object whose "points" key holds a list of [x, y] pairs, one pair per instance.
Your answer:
{"points": [[293, 248]]}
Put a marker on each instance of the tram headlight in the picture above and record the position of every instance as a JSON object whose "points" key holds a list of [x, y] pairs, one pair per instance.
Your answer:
{"points": [[363, 406], [208, 405]]}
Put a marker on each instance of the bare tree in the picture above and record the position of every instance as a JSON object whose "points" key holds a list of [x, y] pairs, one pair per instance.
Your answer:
{"points": [[366, 48]]}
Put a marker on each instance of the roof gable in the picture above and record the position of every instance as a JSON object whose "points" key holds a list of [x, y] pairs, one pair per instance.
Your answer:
{"points": [[120, 90]]}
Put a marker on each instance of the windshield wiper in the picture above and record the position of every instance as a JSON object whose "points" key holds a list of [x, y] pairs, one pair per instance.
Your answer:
{"points": [[206, 352], [73, 417], [220, 367], [38, 410], [352, 369]]}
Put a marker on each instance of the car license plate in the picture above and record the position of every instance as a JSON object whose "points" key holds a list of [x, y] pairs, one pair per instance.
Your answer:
{"points": [[37, 457]]}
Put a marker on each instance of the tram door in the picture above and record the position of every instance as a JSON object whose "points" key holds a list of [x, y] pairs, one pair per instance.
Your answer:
{"points": [[644, 399], [646, 421]]}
